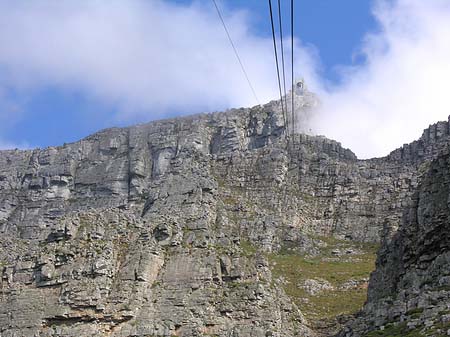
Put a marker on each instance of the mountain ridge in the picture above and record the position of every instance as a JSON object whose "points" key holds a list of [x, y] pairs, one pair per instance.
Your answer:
{"points": [[176, 227]]}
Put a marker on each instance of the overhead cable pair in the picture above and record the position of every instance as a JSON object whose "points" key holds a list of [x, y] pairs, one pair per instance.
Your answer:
{"points": [[284, 106]]}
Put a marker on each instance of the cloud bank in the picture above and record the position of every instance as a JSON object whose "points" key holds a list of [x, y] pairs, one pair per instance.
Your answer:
{"points": [[148, 59], [401, 88]]}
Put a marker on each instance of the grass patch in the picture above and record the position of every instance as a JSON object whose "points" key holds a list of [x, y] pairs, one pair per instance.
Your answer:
{"points": [[248, 249], [230, 200], [294, 269], [414, 313], [443, 288]]}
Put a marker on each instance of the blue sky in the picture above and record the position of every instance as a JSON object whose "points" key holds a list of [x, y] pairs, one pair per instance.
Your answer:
{"points": [[54, 114], [97, 64], [335, 28]]}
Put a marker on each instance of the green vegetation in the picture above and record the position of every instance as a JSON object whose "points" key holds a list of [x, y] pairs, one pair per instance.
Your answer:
{"points": [[248, 249], [444, 312], [443, 288], [230, 200], [294, 269], [442, 327], [415, 313]]}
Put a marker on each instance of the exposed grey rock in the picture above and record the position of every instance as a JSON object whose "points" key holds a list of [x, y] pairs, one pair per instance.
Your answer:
{"points": [[315, 286], [160, 229], [411, 285]]}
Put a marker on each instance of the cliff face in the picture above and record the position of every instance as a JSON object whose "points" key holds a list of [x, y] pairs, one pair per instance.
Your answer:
{"points": [[163, 229], [409, 292]]}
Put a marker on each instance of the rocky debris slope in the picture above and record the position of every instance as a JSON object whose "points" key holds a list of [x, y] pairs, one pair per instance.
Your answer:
{"points": [[165, 229]]}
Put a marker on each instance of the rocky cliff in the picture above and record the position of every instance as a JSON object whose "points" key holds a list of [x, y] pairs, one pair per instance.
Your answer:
{"points": [[175, 228], [409, 292]]}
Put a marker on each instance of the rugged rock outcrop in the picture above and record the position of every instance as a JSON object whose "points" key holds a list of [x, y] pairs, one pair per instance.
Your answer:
{"points": [[409, 292], [162, 229], [125, 234]]}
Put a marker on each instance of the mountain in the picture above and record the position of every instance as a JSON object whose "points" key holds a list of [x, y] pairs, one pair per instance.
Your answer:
{"points": [[220, 225]]}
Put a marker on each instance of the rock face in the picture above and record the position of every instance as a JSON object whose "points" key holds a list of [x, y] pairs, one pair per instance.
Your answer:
{"points": [[410, 289], [162, 229]]}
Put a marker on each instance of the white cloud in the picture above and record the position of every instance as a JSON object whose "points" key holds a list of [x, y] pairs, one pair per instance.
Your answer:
{"points": [[401, 89], [144, 57]]}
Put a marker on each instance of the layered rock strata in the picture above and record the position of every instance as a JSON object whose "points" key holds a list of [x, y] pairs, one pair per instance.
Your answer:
{"points": [[410, 290], [161, 229]]}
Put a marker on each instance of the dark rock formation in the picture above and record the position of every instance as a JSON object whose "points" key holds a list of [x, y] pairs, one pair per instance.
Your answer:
{"points": [[410, 289]]}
